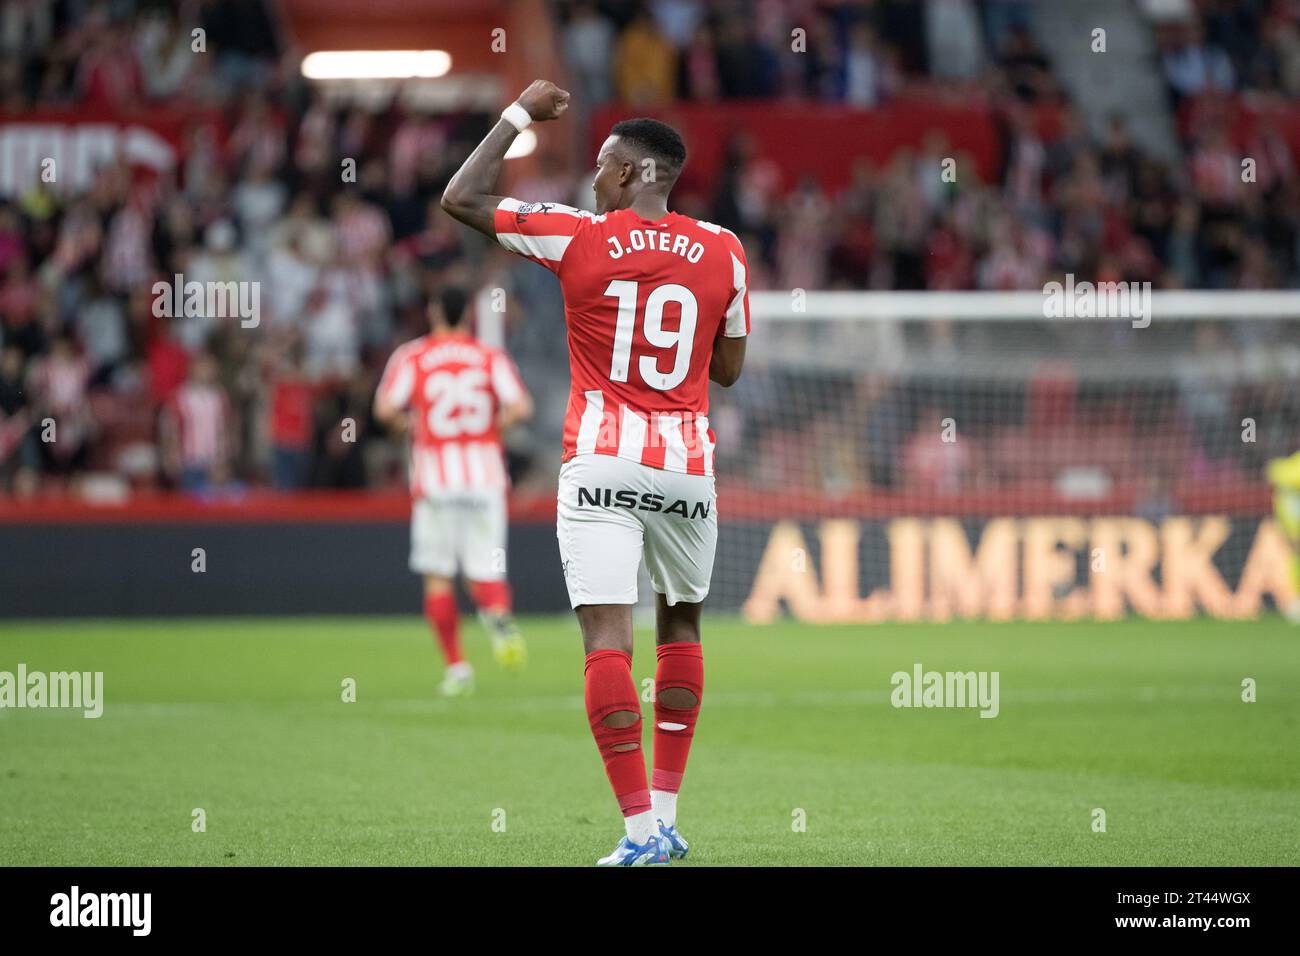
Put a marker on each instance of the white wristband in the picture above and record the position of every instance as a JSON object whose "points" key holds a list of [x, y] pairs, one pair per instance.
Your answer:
{"points": [[516, 116]]}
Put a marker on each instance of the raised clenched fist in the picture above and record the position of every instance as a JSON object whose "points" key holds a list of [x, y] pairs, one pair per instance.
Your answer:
{"points": [[544, 100]]}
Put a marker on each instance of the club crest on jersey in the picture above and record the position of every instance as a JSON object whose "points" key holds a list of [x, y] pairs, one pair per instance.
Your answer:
{"points": [[528, 208], [608, 498]]}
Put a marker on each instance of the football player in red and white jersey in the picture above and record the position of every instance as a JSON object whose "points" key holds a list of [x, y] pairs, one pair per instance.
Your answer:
{"points": [[656, 306], [456, 395]]}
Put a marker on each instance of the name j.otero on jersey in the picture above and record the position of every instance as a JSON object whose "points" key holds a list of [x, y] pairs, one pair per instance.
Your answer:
{"points": [[655, 240]]}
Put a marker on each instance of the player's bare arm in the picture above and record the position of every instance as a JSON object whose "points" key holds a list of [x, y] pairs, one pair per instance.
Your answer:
{"points": [[468, 197], [728, 359], [391, 415], [515, 412]]}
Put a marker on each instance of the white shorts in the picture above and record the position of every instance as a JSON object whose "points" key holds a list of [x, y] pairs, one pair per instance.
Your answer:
{"points": [[465, 531], [612, 511]]}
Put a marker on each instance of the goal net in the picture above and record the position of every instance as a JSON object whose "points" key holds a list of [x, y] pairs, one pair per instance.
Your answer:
{"points": [[901, 456]]}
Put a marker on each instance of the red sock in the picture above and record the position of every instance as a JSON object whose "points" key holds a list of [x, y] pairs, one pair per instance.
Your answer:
{"points": [[491, 596], [440, 611], [681, 664], [609, 686]]}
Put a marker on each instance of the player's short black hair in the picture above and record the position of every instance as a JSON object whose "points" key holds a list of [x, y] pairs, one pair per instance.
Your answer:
{"points": [[657, 140], [453, 301]]}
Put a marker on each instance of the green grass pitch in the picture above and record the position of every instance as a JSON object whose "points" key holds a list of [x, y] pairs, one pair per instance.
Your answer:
{"points": [[244, 719]]}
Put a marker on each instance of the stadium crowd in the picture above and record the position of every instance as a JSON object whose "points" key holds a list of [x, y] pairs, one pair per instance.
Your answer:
{"points": [[203, 405]]}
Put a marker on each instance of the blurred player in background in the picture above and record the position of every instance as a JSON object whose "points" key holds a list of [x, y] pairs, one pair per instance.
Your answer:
{"points": [[656, 306], [1284, 476], [456, 396]]}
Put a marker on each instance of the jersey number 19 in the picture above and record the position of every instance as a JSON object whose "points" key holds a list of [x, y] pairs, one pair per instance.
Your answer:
{"points": [[652, 327]]}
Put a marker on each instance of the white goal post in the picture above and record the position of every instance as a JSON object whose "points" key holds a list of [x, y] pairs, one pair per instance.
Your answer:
{"points": [[930, 455], [1008, 306]]}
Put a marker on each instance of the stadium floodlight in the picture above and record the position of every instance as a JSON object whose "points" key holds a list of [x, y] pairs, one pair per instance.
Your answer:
{"points": [[375, 64]]}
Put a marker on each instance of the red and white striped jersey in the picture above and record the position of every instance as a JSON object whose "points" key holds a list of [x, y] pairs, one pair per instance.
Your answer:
{"points": [[643, 302], [456, 386], [202, 416]]}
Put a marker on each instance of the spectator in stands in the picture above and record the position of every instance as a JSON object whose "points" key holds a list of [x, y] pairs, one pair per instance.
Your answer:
{"points": [[1192, 66], [588, 40], [164, 50], [332, 325], [202, 166], [1071, 139], [128, 256], [167, 362], [1284, 44], [822, 63], [19, 454], [1001, 17], [1014, 259], [60, 409], [801, 252], [852, 242], [901, 226], [1215, 169], [886, 419], [259, 135], [901, 24], [746, 68], [25, 27], [12, 241], [219, 260], [1257, 270], [174, 233], [1026, 67], [101, 328], [935, 192], [241, 34], [109, 75], [433, 249], [1120, 159], [677, 20], [936, 459], [869, 75], [197, 427], [954, 38], [700, 67], [1026, 163], [258, 201], [950, 263], [342, 425], [1274, 163], [361, 231], [416, 135], [21, 297], [645, 63], [749, 188], [292, 422], [1082, 204], [292, 272]]}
